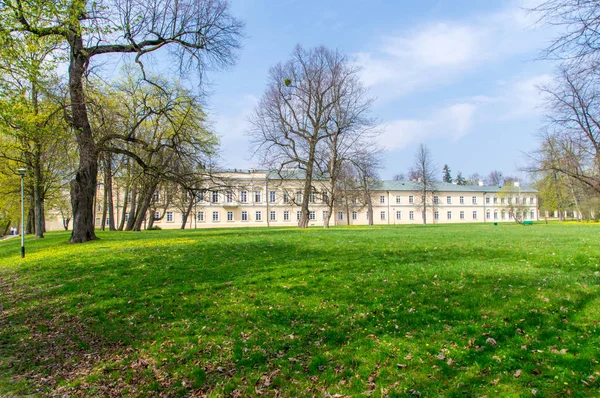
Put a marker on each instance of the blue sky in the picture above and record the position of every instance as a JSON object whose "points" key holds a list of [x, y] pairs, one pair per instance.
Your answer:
{"points": [[457, 75]]}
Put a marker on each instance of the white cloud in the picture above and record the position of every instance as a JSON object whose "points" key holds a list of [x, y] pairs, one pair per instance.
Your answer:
{"points": [[517, 100], [451, 122], [441, 52]]}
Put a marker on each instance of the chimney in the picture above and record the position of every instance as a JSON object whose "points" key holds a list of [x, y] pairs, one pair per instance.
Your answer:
{"points": [[480, 183]]}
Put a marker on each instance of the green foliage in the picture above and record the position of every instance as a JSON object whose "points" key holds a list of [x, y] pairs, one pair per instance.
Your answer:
{"points": [[460, 180], [447, 176], [352, 311]]}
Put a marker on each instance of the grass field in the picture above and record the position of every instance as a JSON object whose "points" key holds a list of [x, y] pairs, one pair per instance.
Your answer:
{"points": [[454, 310]]}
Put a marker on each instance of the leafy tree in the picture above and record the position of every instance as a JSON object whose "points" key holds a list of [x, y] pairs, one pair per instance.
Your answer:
{"points": [[460, 180], [199, 33]]}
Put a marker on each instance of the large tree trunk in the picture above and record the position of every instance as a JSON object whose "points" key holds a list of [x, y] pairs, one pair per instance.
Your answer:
{"points": [[108, 188], [143, 208], [187, 212], [30, 222], [303, 223], [132, 210], [83, 187], [38, 197]]}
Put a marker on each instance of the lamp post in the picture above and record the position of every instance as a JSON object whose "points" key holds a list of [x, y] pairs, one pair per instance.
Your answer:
{"points": [[22, 172]]}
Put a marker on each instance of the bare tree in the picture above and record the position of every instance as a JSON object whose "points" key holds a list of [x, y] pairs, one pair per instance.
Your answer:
{"points": [[578, 43], [199, 33], [571, 141], [399, 177], [313, 112], [424, 171], [495, 178], [367, 165]]}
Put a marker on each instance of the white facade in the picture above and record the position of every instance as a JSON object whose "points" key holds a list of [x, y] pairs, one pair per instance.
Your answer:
{"points": [[249, 198]]}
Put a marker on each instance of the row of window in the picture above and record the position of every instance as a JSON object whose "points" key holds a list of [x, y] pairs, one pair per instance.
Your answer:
{"points": [[256, 197]]}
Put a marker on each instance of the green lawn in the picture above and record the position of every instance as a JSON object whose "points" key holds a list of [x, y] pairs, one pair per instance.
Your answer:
{"points": [[455, 310]]}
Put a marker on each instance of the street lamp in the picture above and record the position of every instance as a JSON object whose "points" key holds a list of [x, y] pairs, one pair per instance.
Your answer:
{"points": [[22, 172]]}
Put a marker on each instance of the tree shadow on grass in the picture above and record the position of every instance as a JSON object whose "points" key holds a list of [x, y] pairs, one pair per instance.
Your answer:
{"points": [[143, 317]]}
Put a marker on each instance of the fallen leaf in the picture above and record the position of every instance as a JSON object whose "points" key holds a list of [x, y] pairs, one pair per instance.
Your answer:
{"points": [[491, 341], [518, 373]]}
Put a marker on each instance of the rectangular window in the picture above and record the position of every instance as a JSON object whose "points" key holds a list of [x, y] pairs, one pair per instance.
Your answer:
{"points": [[200, 216], [354, 215], [325, 197], [398, 215], [449, 200], [229, 196], [382, 199], [502, 200], [436, 200], [257, 197], [436, 215], [325, 214], [474, 198], [298, 196], [532, 215], [496, 215], [398, 199], [383, 215], [244, 215], [286, 215], [488, 215], [461, 200], [156, 197], [298, 216], [462, 215], [411, 200], [503, 215], [272, 196], [340, 215], [353, 201], [449, 215], [244, 196], [273, 215], [312, 216], [411, 215], [531, 201], [312, 197], [474, 215], [286, 197], [487, 200], [495, 200], [169, 216], [157, 215], [229, 216], [215, 216], [258, 216], [200, 196], [215, 196]]}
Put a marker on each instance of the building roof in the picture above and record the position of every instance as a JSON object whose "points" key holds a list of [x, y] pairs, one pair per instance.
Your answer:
{"points": [[413, 186]]}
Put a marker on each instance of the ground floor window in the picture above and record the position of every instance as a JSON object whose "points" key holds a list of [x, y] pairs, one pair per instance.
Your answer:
{"points": [[532, 213], [169, 216], [488, 215], [312, 216], [229, 216], [298, 215], [474, 215], [244, 216], [383, 216], [258, 216], [215, 216], [286, 215], [449, 215], [340, 215], [273, 216], [398, 215], [411, 215], [354, 215], [325, 214], [200, 216], [462, 215], [495, 214], [436, 215]]}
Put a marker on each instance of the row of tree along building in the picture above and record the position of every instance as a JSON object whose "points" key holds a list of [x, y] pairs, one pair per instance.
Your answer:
{"points": [[262, 198]]}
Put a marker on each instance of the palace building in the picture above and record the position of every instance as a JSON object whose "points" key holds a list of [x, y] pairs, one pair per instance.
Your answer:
{"points": [[266, 198]]}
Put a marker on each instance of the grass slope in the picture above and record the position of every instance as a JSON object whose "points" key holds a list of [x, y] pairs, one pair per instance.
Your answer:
{"points": [[454, 310]]}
